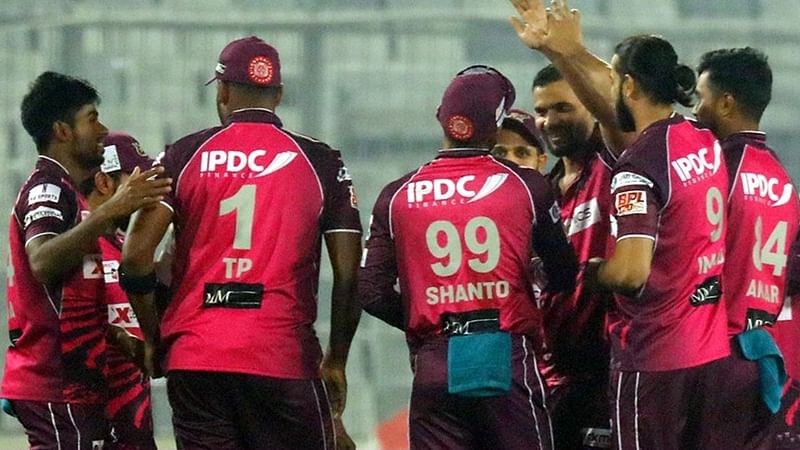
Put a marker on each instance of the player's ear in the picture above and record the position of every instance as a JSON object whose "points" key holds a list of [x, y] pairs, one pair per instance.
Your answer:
{"points": [[62, 132], [223, 93], [727, 105], [629, 87], [278, 95], [104, 183]]}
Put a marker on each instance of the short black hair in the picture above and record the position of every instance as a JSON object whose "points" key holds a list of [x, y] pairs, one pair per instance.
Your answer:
{"points": [[652, 62], [548, 74], [54, 97], [743, 73]]}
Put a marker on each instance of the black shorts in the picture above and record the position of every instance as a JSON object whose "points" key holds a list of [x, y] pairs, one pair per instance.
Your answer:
{"points": [[220, 411]]}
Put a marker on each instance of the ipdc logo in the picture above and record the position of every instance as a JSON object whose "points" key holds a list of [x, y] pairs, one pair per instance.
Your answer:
{"points": [[445, 191], [241, 164], [698, 166], [760, 188]]}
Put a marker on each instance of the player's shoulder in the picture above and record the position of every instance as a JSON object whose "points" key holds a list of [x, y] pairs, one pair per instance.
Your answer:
{"points": [[531, 178], [43, 186], [313, 145], [194, 140]]}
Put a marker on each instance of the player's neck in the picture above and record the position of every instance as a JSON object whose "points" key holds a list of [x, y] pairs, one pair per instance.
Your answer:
{"points": [[75, 170], [737, 126], [651, 114]]}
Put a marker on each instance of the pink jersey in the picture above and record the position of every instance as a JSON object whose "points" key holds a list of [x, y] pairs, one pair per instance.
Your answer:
{"points": [[58, 350], [128, 387], [458, 234], [764, 212], [251, 202], [575, 325], [671, 186]]}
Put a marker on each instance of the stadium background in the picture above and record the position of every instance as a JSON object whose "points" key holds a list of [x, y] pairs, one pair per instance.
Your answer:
{"points": [[364, 75]]}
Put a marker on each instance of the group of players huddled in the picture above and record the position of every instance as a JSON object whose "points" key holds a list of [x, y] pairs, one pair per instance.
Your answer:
{"points": [[636, 297]]}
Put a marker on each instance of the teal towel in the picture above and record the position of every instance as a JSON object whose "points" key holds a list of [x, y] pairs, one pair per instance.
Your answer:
{"points": [[757, 345], [7, 408], [479, 365]]}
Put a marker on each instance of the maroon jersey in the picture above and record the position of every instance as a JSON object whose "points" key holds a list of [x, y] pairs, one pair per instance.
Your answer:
{"points": [[764, 211], [458, 233], [251, 202], [574, 324], [129, 389], [786, 332], [57, 351], [671, 186]]}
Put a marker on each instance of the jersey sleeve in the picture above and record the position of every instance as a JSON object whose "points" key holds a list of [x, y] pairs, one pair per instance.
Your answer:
{"points": [[635, 204], [340, 209], [47, 206], [378, 273], [559, 262]]}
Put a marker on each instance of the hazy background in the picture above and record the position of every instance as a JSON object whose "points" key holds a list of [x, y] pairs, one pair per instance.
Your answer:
{"points": [[363, 75]]}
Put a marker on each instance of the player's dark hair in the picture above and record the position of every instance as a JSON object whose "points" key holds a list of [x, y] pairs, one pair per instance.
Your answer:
{"points": [[653, 63], [54, 97], [742, 72], [548, 74]]}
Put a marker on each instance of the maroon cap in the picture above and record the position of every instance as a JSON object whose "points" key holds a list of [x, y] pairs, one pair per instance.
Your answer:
{"points": [[123, 154], [249, 61], [475, 103], [524, 124]]}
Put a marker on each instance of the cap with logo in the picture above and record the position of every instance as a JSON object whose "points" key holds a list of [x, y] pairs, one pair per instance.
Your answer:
{"points": [[524, 124], [123, 153], [250, 61], [475, 103]]}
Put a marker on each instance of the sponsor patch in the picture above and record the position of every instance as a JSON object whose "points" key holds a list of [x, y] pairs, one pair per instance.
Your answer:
{"points": [[111, 271], [122, 315], [631, 202], [757, 318], [596, 437], [343, 175], [555, 213], [707, 292], [110, 160], [584, 216], [260, 70], [92, 267], [233, 295], [42, 212], [624, 179], [42, 193]]}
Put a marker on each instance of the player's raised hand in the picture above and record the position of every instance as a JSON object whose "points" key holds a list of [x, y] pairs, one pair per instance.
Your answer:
{"points": [[564, 35], [141, 189], [532, 28]]}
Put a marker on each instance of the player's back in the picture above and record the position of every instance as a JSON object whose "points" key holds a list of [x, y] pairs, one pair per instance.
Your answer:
{"points": [[250, 210], [678, 319], [462, 227], [764, 212]]}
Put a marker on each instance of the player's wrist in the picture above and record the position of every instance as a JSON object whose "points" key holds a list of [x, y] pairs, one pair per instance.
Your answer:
{"points": [[137, 284]]}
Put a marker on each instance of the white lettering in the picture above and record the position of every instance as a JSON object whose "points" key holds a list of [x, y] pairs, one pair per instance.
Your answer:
{"points": [[486, 290], [763, 291], [444, 190]]}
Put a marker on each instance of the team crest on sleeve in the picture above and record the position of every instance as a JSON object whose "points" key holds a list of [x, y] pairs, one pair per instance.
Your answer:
{"points": [[42, 193], [631, 202], [625, 179], [260, 70]]}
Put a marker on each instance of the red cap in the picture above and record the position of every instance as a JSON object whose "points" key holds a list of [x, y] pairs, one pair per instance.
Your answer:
{"points": [[475, 103], [249, 61], [123, 154], [524, 124]]}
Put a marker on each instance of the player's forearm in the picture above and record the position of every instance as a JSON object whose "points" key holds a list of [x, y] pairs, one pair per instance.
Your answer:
{"points": [[345, 315], [52, 257], [590, 79], [612, 275], [144, 306]]}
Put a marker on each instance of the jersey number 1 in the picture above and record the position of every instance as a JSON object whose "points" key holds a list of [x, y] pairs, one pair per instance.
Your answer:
{"points": [[243, 203]]}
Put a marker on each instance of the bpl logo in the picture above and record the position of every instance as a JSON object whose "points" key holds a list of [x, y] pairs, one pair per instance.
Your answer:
{"points": [[234, 161], [444, 189], [757, 184], [696, 164]]}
